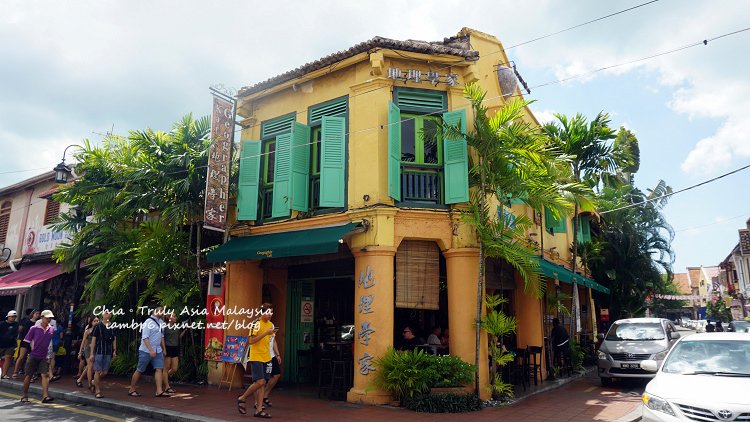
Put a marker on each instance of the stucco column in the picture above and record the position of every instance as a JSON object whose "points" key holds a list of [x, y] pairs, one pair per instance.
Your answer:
{"points": [[243, 290], [373, 319], [462, 268], [529, 312]]}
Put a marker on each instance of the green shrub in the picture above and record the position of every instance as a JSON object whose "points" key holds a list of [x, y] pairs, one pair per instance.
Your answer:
{"points": [[444, 403], [124, 364], [577, 355], [404, 373], [450, 371]]}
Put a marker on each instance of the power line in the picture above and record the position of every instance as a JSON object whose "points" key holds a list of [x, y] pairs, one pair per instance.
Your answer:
{"points": [[667, 195], [581, 24], [725, 220], [23, 171]]}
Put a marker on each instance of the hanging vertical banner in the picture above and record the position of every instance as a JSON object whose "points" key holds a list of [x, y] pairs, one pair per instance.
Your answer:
{"points": [[219, 159]]}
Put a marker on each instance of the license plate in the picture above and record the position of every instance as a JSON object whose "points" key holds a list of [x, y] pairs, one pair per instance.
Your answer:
{"points": [[630, 365]]}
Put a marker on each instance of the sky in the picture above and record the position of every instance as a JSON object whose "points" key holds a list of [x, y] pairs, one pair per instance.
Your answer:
{"points": [[71, 71]]}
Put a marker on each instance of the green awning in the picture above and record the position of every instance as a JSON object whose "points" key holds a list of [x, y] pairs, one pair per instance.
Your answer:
{"points": [[278, 245], [563, 274]]}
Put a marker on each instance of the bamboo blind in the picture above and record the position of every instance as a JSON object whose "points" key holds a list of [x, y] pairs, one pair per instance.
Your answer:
{"points": [[417, 275]]}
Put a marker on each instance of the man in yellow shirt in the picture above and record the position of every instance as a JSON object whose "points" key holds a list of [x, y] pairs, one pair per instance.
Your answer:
{"points": [[260, 361]]}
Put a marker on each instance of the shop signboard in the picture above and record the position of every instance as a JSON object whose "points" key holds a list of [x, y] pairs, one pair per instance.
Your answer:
{"points": [[219, 159], [44, 239], [214, 318]]}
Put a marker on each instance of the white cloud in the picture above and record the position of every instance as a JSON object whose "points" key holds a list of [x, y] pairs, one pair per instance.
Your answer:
{"points": [[545, 116]]}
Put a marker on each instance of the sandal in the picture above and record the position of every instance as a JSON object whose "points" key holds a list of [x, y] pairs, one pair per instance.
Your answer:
{"points": [[47, 399], [134, 393], [24, 399], [241, 409], [92, 388], [79, 384], [99, 396], [6, 377], [163, 394], [267, 402], [262, 414], [170, 390]]}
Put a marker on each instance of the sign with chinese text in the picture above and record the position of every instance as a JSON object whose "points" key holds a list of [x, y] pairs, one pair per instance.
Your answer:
{"points": [[234, 349], [219, 158], [416, 76], [214, 334], [745, 241]]}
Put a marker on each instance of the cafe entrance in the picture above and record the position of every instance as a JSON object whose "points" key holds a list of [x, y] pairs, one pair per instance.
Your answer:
{"points": [[319, 331]]}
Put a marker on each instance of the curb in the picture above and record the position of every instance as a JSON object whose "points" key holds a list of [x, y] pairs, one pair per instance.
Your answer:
{"points": [[112, 404]]}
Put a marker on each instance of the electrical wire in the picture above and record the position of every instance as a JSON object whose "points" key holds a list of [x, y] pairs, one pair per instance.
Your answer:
{"points": [[725, 220], [667, 195]]}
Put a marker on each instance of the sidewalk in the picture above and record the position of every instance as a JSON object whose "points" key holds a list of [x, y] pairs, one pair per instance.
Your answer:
{"points": [[576, 401]]}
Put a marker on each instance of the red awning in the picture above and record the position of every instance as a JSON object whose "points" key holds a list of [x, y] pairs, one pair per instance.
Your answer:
{"points": [[22, 280]]}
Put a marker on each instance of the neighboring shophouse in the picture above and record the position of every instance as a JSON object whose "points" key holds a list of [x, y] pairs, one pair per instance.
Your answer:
{"points": [[682, 282], [29, 277], [736, 271], [348, 214]]}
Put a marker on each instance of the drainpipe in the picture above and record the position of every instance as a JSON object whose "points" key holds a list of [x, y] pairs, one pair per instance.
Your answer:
{"points": [[12, 263]]}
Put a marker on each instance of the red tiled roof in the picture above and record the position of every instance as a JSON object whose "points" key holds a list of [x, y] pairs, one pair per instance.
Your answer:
{"points": [[682, 283]]}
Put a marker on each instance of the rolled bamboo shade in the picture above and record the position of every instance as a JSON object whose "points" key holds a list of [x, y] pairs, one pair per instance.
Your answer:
{"points": [[417, 275]]}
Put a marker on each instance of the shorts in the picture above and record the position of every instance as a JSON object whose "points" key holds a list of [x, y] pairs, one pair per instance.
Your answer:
{"points": [[275, 367], [101, 362], [261, 370], [144, 359], [36, 366], [26, 345], [173, 351], [7, 351]]}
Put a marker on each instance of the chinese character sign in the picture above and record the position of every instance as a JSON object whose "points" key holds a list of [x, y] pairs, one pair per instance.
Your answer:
{"points": [[416, 76], [217, 176], [366, 281]]}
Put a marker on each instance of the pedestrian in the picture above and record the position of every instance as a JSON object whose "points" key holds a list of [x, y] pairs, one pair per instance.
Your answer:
{"points": [[151, 351], [103, 349], [560, 342], [8, 338], [172, 336], [54, 348], [275, 367], [710, 327], [32, 315], [39, 338], [260, 362], [84, 355]]}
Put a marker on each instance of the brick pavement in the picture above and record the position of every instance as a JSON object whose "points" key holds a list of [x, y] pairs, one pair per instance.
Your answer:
{"points": [[581, 400]]}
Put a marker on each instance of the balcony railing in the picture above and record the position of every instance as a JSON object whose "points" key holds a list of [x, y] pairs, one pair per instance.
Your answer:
{"points": [[421, 184]]}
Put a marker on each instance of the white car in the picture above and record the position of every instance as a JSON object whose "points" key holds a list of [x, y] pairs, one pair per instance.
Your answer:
{"points": [[705, 377]]}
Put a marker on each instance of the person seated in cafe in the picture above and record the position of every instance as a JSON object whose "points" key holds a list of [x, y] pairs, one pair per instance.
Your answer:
{"points": [[560, 342], [410, 341], [445, 339], [433, 340]]}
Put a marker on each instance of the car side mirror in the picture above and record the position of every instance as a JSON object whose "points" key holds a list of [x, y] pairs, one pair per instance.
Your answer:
{"points": [[649, 365], [600, 336], [674, 335]]}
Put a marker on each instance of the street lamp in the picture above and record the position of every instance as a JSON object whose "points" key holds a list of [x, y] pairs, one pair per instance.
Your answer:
{"points": [[62, 171]]}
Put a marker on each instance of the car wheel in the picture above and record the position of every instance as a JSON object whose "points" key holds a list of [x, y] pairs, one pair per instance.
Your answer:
{"points": [[606, 382]]}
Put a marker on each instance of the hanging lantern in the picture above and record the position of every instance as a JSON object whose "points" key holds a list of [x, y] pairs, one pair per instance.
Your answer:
{"points": [[506, 77]]}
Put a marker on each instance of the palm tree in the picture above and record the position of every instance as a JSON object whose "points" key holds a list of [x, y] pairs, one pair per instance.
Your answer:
{"points": [[590, 156], [509, 157]]}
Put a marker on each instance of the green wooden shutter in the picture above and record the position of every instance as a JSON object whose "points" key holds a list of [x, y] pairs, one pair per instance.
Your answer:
{"points": [[456, 160], [300, 160], [282, 178], [553, 224], [584, 229], [247, 192], [394, 151], [332, 162], [420, 101]]}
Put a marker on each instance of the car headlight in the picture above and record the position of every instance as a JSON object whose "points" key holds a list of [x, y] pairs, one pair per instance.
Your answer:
{"points": [[660, 356], [601, 355], [657, 403]]}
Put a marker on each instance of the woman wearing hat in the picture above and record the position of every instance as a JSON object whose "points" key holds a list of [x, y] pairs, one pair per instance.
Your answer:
{"points": [[8, 336]]}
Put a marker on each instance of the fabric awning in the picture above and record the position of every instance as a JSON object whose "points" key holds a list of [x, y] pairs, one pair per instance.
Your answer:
{"points": [[22, 280], [563, 274], [278, 245]]}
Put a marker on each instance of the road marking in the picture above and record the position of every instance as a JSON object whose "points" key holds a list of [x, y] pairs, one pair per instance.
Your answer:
{"points": [[68, 408], [590, 389]]}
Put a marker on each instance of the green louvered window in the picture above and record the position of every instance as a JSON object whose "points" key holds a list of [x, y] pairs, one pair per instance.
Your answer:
{"points": [[282, 177], [249, 178], [584, 229], [300, 167], [328, 154], [276, 126], [269, 130], [554, 224], [421, 167]]}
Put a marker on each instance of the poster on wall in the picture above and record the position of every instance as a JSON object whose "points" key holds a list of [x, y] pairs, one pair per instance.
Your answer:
{"points": [[234, 349], [306, 312], [214, 318]]}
